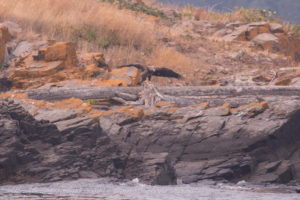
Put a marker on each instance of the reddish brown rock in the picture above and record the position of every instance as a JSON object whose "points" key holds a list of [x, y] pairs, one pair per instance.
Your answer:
{"points": [[4, 34], [64, 51], [4, 38], [267, 41], [284, 81], [257, 28], [127, 76]]}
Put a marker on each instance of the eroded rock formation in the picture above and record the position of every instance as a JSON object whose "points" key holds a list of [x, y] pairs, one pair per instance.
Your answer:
{"points": [[160, 144]]}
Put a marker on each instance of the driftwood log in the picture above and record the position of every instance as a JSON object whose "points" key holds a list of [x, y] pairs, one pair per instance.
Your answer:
{"points": [[149, 94]]}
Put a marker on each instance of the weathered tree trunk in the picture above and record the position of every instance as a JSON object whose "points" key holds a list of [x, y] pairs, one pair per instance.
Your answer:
{"points": [[179, 95], [128, 94]]}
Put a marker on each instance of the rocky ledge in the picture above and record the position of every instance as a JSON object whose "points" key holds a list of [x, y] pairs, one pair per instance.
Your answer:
{"points": [[256, 141]]}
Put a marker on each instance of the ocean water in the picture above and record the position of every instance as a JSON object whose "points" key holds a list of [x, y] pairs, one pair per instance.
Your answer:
{"points": [[109, 189]]}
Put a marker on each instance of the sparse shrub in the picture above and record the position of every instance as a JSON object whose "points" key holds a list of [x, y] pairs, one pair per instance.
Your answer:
{"points": [[202, 37], [148, 51], [138, 7], [109, 41], [188, 36], [93, 101], [296, 29], [177, 15], [84, 32]]}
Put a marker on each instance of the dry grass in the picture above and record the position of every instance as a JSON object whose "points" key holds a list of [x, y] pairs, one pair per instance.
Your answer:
{"points": [[168, 57], [92, 24], [63, 17], [125, 36]]}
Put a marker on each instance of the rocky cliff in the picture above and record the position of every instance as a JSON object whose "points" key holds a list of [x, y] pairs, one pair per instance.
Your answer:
{"points": [[257, 142]]}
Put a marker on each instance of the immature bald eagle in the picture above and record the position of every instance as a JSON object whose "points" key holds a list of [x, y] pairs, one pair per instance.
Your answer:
{"points": [[149, 71]]}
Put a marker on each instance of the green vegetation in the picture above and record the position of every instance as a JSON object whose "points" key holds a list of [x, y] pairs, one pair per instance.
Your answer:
{"points": [[109, 41], [138, 7], [188, 36], [93, 101], [294, 28], [84, 32], [91, 34]]}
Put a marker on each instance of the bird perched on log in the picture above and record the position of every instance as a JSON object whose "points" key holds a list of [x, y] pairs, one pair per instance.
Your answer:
{"points": [[149, 71]]}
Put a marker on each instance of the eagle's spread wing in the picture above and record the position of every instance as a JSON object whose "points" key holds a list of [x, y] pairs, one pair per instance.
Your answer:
{"points": [[138, 66], [165, 72], [148, 71]]}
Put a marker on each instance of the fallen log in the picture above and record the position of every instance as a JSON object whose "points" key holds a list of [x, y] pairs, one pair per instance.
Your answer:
{"points": [[149, 95], [126, 93], [131, 93]]}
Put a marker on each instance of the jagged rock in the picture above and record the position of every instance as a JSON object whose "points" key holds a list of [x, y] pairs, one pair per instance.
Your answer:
{"points": [[158, 144], [37, 150]]}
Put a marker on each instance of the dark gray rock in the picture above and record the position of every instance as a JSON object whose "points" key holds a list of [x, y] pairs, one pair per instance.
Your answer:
{"points": [[168, 143], [221, 146], [32, 150], [5, 84]]}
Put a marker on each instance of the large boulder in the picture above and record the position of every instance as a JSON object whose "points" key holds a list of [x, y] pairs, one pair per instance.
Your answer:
{"points": [[127, 76], [287, 44], [248, 32], [64, 51], [267, 41], [276, 28], [257, 28]]}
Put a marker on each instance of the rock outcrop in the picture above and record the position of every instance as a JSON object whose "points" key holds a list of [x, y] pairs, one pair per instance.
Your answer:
{"points": [[265, 36], [41, 151], [239, 140]]}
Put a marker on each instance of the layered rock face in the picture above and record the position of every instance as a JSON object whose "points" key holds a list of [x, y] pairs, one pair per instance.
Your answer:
{"points": [[37, 151], [256, 142]]}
